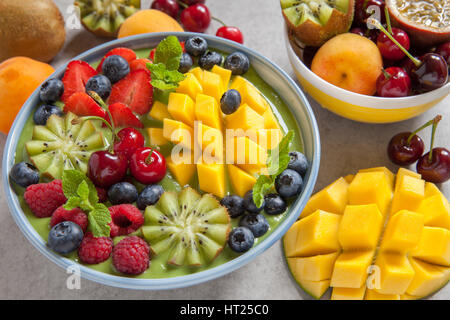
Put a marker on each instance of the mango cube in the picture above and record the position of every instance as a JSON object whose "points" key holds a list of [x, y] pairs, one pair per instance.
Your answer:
{"points": [[156, 137], [436, 210], [237, 82], [360, 227], [315, 288], [245, 118], [403, 232], [190, 86], [317, 234], [178, 133], [349, 178], [159, 111], [207, 111], [395, 272], [434, 246], [240, 180], [315, 268], [181, 108], [370, 187], [211, 178], [374, 295], [333, 199], [409, 193], [251, 96], [198, 73], [350, 269], [405, 172], [211, 142], [427, 279], [270, 121], [247, 155], [431, 189], [406, 296], [183, 171], [224, 74], [348, 293], [212, 85], [389, 175], [290, 240]]}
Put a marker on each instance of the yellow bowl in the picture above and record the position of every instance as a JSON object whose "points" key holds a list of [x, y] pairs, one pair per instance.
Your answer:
{"points": [[360, 107]]}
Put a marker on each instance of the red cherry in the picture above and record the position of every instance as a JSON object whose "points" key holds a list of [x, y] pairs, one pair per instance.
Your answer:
{"points": [[106, 169], [361, 13], [191, 2], [196, 18], [389, 49], [230, 33], [170, 7], [130, 140], [438, 169], [364, 32], [444, 51], [147, 166], [403, 152], [393, 82]]}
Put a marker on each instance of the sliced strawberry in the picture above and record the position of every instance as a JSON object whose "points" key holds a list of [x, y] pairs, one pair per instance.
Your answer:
{"points": [[123, 116], [139, 64], [82, 105], [135, 91], [75, 78], [125, 53], [152, 54], [182, 46]]}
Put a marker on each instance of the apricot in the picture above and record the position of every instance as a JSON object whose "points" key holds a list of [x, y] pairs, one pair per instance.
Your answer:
{"points": [[349, 61], [146, 21], [19, 77]]}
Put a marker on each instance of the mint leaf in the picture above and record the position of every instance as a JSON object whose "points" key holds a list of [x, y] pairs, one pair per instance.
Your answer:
{"points": [[71, 179], [99, 220], [83, 190], [168, 52], [72, 203], [164, 79], [262, 185]]}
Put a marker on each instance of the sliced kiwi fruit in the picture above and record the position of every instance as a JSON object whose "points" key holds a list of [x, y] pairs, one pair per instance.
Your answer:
{"points": [[193, 229], [104, 17], [64, 144], [313, 22]]}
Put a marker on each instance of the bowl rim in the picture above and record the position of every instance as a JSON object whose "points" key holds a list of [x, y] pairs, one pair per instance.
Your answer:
{"points": [[175, 282], [363, 100]]}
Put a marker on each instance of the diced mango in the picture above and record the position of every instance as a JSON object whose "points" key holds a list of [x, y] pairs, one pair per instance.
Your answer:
{"points": [[360, 227], [402, 232], [270, 121], [332, 198], [436, 210], [211, 142], [395, 272], [290, 240], [183, 172], [350, 269], [207, 111], [156, 137], [190, 86], [349, 178], [406, 296], [247, 155], [212, 85], [251, 96], [224, 74], [198, 73], [431, 189], [159, 111], [373, 295], [244, 118], [348, 293], [240, 180], [315, 268], [427, 279], [434, 246], [389, 175], [315, 288], [181, 108], [317, 234], [409, 193], [370, 187], [178, 133], [237, 82], [405, 172], [211, 178]]}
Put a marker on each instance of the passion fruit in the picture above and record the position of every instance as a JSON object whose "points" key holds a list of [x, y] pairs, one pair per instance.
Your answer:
{"points": [[313, 22], [426, 21]]}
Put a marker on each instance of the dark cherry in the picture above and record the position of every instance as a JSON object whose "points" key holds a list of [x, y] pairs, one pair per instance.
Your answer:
{"points": [[106, 169], [230, 33], [147, 166], [444, 51], [403, 153], [196, 18], [431, 74], [393, 82], [308, 55], [361, 13], [170, 7], [407, 64], [438, 169], [371, 34], [389, 49], [130, 139]]}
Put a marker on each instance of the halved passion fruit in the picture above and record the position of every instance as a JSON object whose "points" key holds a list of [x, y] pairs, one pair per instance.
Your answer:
{"points": [[313, 22], [426, 21]]}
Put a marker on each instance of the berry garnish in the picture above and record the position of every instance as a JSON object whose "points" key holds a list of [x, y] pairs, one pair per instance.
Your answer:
{"points": [[241, 239], [131, 255], [75, 78], [298, 162], [106, 169], [51, 91], [196, 46], [250, 205], [99, 84], [24, 174], [234, 205], [115, 68], [43, 112], [237, 62], [185, 63], [230, 101], [123, 116], [209, 59], [44, 198], [169, 7], [125, 219], [147, 165], [122, 192], [95, 250], [256, 222], [140, 64], [75, 215], [274, 204], [130, 139], [65, 237], [128, 54], [196, 18], [393, 82], [289, 183], [82, 104], [149, 196]]}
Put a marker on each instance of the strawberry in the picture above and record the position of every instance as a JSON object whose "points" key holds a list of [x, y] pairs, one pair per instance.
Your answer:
{"points": [[123, 116], [152, 54], [82, 104], [139, 64], [125, 53], [75, 78], [135, 91]]}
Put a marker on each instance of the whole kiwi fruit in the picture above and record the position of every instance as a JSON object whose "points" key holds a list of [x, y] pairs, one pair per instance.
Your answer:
{"points": [[30, 28]]}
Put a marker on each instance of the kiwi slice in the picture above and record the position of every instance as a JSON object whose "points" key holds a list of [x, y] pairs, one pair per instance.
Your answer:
{"points": [[192, 228], [104, 17], [63, 144], [313, 22]]}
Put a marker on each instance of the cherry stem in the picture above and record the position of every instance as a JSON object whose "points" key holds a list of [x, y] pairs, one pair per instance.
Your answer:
{"points": [[388, 19], [149, 159], [184, 5], [429, 123], [433, 131], [102, 103], [219, 21], [379, 26], [386, 74]]}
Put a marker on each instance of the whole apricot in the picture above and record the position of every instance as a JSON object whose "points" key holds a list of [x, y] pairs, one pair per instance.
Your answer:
{"points": [[146, 21]]}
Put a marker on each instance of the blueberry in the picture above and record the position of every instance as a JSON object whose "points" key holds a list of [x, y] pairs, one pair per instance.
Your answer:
{"points": [[249, 205], [43, 112], [149, 196], [185, 63], [298, 162], [241, 239], [99, 84], [51, 91], [65, 237], [256, 222], [115, 68], [24, 174], [289, 183], [230, 101], [274, 204], [122, 192], [196, 46], [237, 62], [234, 204], [209, 59]]}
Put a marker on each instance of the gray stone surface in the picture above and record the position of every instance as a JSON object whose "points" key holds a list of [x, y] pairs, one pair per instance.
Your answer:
{"points": [[346, 147]]}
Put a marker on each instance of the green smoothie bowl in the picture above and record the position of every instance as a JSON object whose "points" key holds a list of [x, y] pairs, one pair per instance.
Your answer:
{"points": [[189, 192]]}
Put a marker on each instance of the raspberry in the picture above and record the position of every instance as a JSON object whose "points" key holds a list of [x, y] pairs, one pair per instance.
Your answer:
{"points": [[102, 194], [76, 215], [95, 250], [44, 198], [125, 219], [131, 255]]}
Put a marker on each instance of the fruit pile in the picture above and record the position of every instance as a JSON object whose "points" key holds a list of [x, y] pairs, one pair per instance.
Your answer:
{"points": [[373, 236], [411, 58]]}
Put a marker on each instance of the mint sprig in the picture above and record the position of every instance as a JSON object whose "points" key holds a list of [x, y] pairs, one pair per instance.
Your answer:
{"points": [[277, 161], [81, 193]]}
